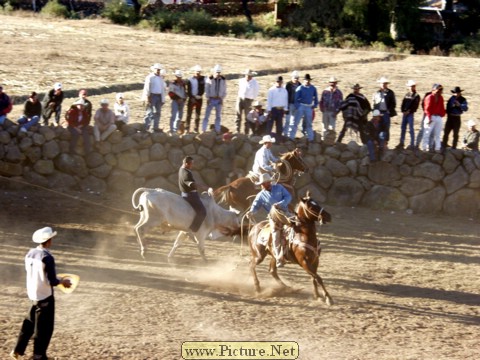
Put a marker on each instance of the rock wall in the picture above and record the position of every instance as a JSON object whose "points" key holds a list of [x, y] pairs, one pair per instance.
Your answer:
{"points": [[339, 174]]}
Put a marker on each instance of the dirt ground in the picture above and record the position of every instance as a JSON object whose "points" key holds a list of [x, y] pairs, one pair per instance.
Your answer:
{"points": [[405, 286]]}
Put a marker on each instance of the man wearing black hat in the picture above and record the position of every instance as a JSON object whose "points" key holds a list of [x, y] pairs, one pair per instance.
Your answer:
{"points": [[277, 106], [456, 106], [306, 100], [355, 111]]}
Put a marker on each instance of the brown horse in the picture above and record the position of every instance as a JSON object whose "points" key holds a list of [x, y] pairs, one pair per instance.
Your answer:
{"points": [[239, 193], [302, 247]]}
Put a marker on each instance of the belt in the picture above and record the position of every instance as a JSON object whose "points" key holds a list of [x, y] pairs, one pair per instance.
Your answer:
{"points": [[278, 107]]}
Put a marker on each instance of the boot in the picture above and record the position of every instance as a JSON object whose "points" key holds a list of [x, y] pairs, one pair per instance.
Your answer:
{"points": [[277, 248]]}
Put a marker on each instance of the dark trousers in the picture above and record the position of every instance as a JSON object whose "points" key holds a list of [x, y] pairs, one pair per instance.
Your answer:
{"points": [[200, 212], [39, 323], [196, 104], [276, 118], [74, 139], [453, 123]]}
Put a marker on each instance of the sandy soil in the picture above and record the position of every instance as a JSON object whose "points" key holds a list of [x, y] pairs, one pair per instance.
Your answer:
{"points": [[405, 286]]}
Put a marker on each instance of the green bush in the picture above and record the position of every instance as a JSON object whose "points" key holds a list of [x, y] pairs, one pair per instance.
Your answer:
{"points": [[164, 20], [120, 13], [199, 23], [54, 9], [7, 8]]}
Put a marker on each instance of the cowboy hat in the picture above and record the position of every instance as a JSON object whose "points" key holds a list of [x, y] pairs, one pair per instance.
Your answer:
{"points": [[307, 77], [263, 179], [383, 80], [156, 66], [295, 74], [217, 69], [456, 90], [376, 112], [249, 72], [356, 86], [104, 102], [332, 79], [267, 139], [257, 104], [74, 280], [178, 73], [43, 234], [471, 123], [197, 68], [410, 83]]}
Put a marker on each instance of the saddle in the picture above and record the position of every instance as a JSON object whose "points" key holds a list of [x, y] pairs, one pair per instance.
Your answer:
{"points": [[263, 238]]}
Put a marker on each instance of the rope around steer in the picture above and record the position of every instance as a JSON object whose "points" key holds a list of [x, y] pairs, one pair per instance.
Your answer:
{"points": [[67, 195]]}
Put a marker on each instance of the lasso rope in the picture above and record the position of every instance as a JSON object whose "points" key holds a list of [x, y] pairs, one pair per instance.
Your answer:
{"points": [[66, 195]]}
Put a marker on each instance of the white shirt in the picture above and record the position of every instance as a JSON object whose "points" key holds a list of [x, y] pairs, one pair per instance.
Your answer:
{"points": [[38, 286], [276, 97], [248, 89], [263, 157], [194, 85], [122, 112], [154, 84]]}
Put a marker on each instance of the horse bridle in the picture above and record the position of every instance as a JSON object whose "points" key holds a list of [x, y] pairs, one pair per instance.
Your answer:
{"points": [[300, 160], [318, 216]]}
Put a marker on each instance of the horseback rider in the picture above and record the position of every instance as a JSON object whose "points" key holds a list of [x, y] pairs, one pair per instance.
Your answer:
{"points": [[264, 159], [273, 196], [188, 188]]}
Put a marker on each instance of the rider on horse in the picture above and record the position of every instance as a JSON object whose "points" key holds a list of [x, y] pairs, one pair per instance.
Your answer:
{"points": [[264, 157], [188, 188], [278, 197]]}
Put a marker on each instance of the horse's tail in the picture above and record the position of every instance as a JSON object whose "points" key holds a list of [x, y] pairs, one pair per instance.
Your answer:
{"points": [[222, 194], [138, 206]]}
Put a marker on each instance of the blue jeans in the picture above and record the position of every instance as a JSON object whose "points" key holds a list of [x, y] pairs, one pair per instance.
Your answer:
{"points": [[289, 118], [74, 139], [386, 121], [153, 112], [27, 124], [211, 104], [303, 111], [276, 117], [177, 113], [407, 120], [372, 146], [2, 119]]}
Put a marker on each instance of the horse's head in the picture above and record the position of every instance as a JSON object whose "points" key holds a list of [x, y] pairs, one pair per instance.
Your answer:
{"points": [[295, 159], [309, 209]]}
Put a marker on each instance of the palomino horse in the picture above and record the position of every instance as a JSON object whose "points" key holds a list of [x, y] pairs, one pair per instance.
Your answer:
{"points": [[302, 247], [239, 193]]}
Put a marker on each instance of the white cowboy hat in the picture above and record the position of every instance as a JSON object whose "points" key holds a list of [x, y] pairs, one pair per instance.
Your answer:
{"points": [[295, 74], [263, 179], [411, 83], [267, 139], [43, 234], [471, 123], [376, 112], [217, 69], [333, 79], [178, 73], [163, 72], [104, 102], [383, 80], [197, 68], [249, 72], [257, 103], [156, 66]]}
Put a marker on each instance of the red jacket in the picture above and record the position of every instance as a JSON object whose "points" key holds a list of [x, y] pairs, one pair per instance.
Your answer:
{"points": [[434, 106], [73, 117]]}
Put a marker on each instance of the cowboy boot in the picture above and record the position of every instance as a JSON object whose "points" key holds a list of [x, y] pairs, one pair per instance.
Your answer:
{"points": [[277, 248]]}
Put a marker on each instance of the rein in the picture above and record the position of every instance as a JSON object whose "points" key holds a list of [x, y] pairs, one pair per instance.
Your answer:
{"points": [[318, 217]]}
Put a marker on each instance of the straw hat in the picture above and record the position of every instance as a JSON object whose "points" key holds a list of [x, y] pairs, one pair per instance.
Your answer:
{"points": [[197, 68], [333, 79], [263, 179], [410, 83], [43, 234], [383, 80], [74, 280], [217, 69], [267, 139], [178, 73]]}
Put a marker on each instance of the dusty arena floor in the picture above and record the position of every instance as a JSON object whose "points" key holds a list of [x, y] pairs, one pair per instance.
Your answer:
{"points": [[406, 287]]}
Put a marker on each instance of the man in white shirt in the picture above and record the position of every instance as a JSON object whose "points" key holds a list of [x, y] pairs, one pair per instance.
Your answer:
{"points": [[277, 106], [264, 158], [154, 98], [248, 90]]}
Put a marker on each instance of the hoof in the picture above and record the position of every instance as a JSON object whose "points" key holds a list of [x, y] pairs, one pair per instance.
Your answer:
{"points": [[329, 301]]}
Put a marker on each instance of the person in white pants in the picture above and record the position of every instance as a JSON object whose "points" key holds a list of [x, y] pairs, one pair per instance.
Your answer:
{"points": [[433, 122]]}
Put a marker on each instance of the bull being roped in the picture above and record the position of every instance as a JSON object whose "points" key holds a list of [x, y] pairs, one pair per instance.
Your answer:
{"points": [[159, 207]]}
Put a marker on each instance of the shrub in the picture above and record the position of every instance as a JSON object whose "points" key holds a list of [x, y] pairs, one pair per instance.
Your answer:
{"points": [[54, 9], [120, 13], [7, 8], [199, 23], [164, 20]]}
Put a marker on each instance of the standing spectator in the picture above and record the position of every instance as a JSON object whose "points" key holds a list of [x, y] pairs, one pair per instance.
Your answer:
{"points": [[422, 126], [52, 103], [385, 101], [195, 91], [104, 122], [178, 94], [215, 92], [456, 106], [248, 90], [277, 106], [121, 111], [375, 132], [409, 106], [41, 278], [330, 102], [434, 111], [471, 138], [5, 106], [32, 110], [257, 119], [306, 99], [77, 119], [82, 94], [264, 160], [355, 111], [153, 95], [291, 87]]}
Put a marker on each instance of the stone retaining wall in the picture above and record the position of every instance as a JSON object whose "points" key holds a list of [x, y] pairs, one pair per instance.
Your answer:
{"points": [[339, 174]]}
